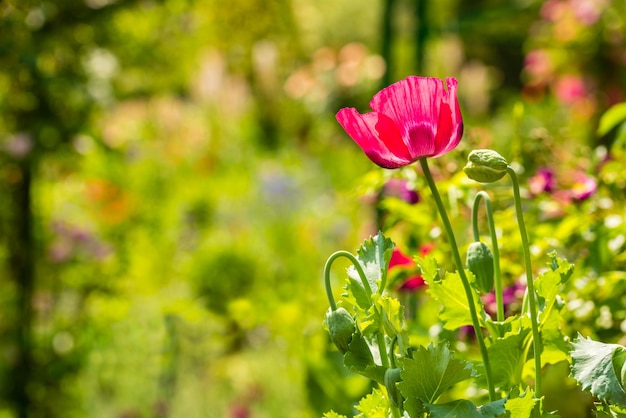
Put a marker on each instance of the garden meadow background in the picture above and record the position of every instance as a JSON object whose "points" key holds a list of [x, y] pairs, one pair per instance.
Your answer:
{"points": [[172, 180]]}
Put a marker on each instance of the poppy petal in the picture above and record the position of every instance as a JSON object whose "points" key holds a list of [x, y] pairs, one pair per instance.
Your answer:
{"points": [[413, 104], [450, 125], [377, 135]]}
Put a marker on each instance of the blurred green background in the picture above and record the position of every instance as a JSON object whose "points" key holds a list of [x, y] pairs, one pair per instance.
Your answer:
{"points": [[172, 180]]}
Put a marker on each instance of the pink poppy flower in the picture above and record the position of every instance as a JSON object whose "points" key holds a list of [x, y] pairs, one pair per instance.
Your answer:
{"points": [[583, 187], [411, 119], [542, 181]]}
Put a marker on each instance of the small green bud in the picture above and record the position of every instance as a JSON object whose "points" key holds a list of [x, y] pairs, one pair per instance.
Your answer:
{"points": [[392, 376], [480, 262], [341, 327], [485, 166]]}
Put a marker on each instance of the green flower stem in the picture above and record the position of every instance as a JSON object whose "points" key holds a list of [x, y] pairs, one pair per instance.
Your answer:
{"points": [[529, 282], [466, 285], [494, 243], [357, 266], [380, 338]]}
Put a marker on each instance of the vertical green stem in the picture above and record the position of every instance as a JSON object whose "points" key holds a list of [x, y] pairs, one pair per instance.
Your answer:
{"points": [[494, 244], [529, 282], [466, 285]]}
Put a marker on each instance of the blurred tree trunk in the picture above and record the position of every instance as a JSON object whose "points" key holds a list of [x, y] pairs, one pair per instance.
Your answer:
{"points": [[387, 41], [21, 262]]}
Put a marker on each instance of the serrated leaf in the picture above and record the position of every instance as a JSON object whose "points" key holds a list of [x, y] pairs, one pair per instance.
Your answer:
{"points": [[374, 255], [507, 359], [374, 405], [615, 115], [465, 409], [431, 372], [522, 406], [414, 407], [333, 414], [392, 313], [592, 367], [360, 360], [450, 293], [358, 292], [429, 268]]}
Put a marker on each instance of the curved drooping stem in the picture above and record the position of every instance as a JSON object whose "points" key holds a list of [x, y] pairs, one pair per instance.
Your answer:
{"points": [[494, 243], [380, 338], [461, 270], [537, 345], [357, 266]]}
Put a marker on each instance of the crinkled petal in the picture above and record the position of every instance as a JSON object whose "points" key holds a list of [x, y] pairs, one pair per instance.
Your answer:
{"points": [[377, 135], [450, 125], [414, 106]]}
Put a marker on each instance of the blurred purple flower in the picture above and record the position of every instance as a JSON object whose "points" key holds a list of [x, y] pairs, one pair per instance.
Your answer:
{"points": [[512, 297], [542, 181], [400, 189], [19, 145]]}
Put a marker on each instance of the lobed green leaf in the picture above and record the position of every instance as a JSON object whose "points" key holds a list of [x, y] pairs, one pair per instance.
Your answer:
{"points": [[431, 372]]}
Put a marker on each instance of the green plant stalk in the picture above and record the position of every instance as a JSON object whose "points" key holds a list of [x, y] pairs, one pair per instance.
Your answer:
{"points": [[494, 244], [466, 285], [537, 346], [380, 338], [357, 266]]}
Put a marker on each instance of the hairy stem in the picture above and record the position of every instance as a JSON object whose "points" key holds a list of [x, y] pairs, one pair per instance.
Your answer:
{"points": [[466, 285], [529, 281]]}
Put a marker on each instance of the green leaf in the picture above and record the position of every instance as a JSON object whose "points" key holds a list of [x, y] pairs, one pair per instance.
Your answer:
{"points": [[548, 285], [392, 313], [374, 255], [522, 406], [466, 409], [429, 268], [615, 115], [507, 359], [450, 293], [359, 359], [333, 414], [431, 372], [414, 407], [592, 367], [358, 292], [374, 405]]}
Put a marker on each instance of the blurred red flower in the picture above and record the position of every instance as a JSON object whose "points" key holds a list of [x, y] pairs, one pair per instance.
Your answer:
{"points": [[401, 260], [411, 119]]}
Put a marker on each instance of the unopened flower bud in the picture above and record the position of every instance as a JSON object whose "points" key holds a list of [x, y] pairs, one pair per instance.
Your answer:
{"points": [[480, 262], [341, 327], [485, 166]]}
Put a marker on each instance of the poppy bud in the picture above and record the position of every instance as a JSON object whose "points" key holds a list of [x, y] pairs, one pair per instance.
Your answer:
{"points": [[341, 327], [392, 376], [485, 166], [480, 262]]}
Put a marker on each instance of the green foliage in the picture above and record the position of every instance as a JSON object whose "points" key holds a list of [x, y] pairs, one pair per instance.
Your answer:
{"points": [[450, 293], [431, 372], [598, 368]]}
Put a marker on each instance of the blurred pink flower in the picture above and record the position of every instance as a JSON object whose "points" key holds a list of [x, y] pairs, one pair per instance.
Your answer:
{"points": [[570, 89], [399, 188], [411, 119], [588, 12], [542, 181], [538, 64], [583, 187]]}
